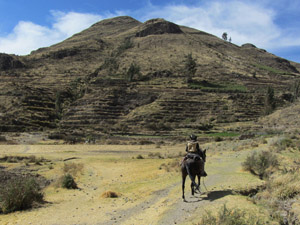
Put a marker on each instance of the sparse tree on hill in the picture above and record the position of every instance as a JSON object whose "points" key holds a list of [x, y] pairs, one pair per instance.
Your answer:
{"points": [[224, 36], [133, 71], [269, 101], [296, 90], [190, 66]]}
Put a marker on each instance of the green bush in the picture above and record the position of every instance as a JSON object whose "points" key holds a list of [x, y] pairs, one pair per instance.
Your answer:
{"points": [[259, 163], [20, 194], [227, 216], [68, 182]]}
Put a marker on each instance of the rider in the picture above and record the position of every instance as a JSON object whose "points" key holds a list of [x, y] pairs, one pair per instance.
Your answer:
{"points": [[192, 148]]}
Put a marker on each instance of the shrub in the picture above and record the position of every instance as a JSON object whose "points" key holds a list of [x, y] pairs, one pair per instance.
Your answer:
{"points": [[2, 138], [283, 144], [145, 142], [227, 216], [140, 157], [72, 139], [73, 168], [155, 155], [218, 139], [133, 72], [68, 182], [285, 186], [170, 166], [110, 194], [259, 163], [20, 194], [270, 102]]}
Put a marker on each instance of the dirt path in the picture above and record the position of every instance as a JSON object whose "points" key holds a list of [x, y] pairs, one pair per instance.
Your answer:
{"points": [[178, 212], [168, 205]]}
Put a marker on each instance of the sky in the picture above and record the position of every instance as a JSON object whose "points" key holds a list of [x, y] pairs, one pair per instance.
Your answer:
{"points": [[273, 25]]}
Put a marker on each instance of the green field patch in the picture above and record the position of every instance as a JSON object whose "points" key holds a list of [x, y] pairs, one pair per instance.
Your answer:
{"points": [[270, 69], [222, 134], [207, 86]]}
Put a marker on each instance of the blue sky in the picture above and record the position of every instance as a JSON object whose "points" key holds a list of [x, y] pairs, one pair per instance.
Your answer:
{"points": [[26, 25]]}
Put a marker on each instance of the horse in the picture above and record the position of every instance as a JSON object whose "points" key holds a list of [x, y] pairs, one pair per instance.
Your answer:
{"points": [[192, 166]]}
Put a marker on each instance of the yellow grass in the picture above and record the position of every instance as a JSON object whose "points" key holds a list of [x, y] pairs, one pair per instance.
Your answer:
{"points": [[145, 192]]}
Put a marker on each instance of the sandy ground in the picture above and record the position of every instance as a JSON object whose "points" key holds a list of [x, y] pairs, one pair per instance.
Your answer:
{"points": [[148, 194]]}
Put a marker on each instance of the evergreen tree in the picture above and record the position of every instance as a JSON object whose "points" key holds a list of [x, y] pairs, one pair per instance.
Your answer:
{"points": [[190, 66], [224, 36]]}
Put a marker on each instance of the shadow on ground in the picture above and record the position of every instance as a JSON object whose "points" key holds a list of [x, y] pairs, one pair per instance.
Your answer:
{"points": [[211, 196]]}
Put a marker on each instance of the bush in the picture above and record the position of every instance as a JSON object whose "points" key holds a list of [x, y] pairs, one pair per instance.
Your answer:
{"points": [[20, 194], [140, 157], [68, 182], [155, 155], [286, 187], [170, 166], [110, 194], [73, 168], [133, 72], [260, 163], [218, 139], [283, 144], [227, 216]]}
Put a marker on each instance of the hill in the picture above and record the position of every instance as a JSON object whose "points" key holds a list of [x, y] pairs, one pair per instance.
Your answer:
{"points": [[122, 77]]}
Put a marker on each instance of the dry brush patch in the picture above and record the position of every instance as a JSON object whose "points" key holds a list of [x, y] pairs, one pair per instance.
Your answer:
{"points": [[70, 172], [20, 193], [110, 194], [230, 216], [279, 167]]}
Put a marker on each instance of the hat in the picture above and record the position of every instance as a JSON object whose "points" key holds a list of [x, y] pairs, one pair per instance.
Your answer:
{"points": [[193, 137]]}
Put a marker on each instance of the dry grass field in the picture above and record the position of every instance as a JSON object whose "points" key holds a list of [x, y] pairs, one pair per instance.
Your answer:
{"points": [[121, 184]]}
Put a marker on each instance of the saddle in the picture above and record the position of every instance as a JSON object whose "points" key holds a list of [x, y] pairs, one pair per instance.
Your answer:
{"points": [[193, 156]]}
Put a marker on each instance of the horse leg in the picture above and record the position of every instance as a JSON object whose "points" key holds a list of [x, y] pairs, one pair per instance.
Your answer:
{"points": [[192, 187], [183, 182], [199, 187], [192, 177]]}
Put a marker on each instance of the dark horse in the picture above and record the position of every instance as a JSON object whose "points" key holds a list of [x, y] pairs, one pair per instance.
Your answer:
{"points": [[192, 166]]}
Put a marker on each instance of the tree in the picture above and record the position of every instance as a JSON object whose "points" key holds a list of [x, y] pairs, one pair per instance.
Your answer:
{"points": [[190, 66], [269, 101], [133, 70], [224, 36], [296, 90]]}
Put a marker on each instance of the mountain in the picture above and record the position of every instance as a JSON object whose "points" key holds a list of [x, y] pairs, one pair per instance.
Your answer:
{"points": [[123, 77]]}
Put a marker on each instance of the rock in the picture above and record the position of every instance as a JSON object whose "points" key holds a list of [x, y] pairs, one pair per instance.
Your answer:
{"points": [[158, 26], [9, 62]]}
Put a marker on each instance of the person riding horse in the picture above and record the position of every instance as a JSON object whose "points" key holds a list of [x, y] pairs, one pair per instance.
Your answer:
{"points": [[193, 149]]}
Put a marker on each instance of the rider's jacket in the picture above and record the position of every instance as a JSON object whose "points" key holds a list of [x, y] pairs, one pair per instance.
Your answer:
{"points": [[192, 147]]}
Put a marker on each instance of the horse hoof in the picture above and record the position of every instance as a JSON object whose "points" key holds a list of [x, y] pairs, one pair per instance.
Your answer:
{"points": [[184, 200]]}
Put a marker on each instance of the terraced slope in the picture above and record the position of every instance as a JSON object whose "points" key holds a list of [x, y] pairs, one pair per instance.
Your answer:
{"points": [[122, 76]]}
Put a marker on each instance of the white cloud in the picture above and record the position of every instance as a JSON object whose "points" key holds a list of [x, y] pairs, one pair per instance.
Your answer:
{"points": [[72, 22], [244, 22], [28, 36]]}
